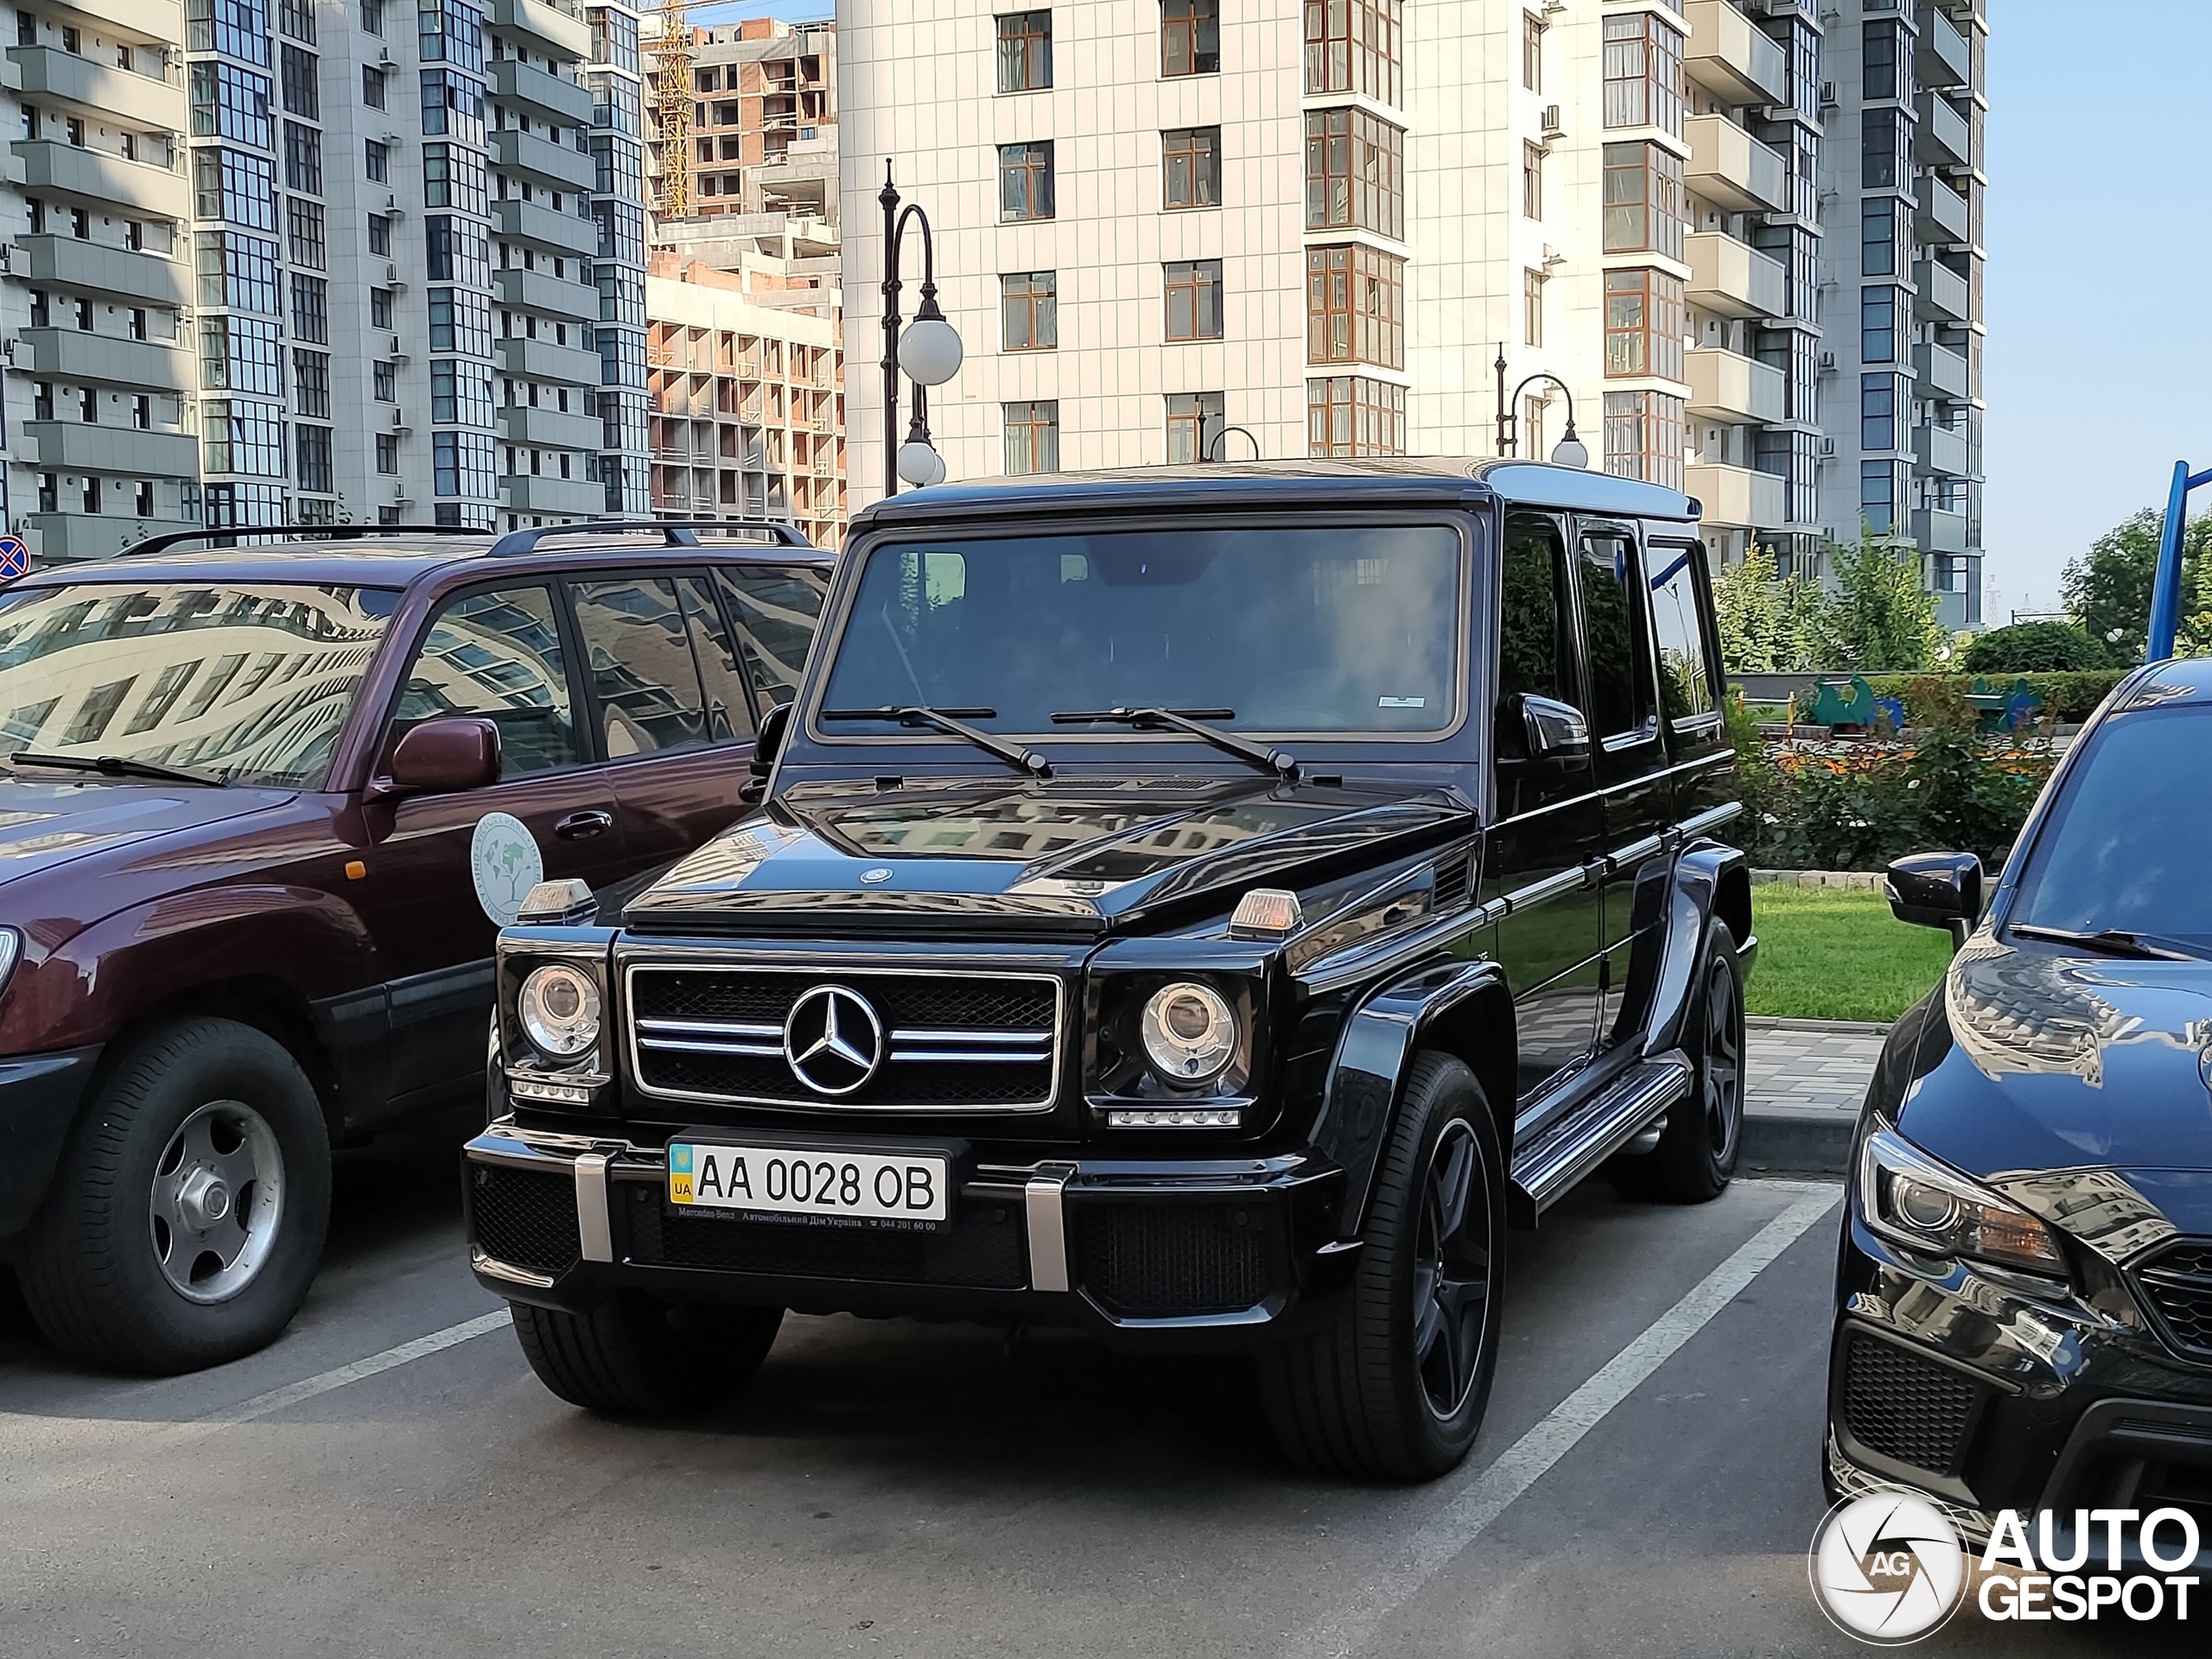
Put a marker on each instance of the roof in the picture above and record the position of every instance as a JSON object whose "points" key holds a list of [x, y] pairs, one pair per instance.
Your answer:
{"points": [[1407, 480]]}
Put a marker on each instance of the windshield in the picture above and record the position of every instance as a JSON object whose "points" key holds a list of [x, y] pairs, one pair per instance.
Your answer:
{"points": [[1320, 631], [2130, 838], [251, 683]]}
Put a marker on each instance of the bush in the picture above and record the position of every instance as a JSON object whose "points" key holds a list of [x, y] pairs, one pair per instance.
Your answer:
{"points": [[2036, 648]]}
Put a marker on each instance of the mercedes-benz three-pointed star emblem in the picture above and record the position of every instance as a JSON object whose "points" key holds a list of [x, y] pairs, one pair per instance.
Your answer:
{"points": [[833, 1041]]}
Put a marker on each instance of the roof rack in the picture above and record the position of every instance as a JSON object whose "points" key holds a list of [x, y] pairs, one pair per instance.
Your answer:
{"points": [[675, 532], [335, 533]]}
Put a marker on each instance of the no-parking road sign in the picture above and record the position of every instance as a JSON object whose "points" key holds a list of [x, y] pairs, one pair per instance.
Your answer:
{"points": [[15, 558]]}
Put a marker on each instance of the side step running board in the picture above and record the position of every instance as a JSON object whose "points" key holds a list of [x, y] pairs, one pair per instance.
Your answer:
{"points": [[1549, 1166]]}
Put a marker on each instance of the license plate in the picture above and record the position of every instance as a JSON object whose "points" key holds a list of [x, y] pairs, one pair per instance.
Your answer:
{"points": [[845, 1188]]}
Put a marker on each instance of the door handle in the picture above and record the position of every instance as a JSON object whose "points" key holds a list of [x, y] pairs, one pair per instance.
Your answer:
{"points": [[582, 826]]}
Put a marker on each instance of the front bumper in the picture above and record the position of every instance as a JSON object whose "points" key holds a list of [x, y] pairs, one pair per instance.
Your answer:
{"points": [[1220, 1253], [1992, 1392], [39, 1097]]}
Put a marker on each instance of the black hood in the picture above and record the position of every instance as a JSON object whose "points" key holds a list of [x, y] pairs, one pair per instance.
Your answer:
{"points": [[2076, 1083], [1074, 856]]}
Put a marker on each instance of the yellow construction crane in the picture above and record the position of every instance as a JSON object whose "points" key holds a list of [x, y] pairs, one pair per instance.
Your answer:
{"points": [[673, 105]]}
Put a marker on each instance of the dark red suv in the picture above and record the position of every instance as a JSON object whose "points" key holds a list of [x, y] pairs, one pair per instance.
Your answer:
{"points": [[262, 811]]}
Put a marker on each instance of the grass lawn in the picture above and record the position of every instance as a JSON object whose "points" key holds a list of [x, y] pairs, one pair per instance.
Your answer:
{"points": [[1828, 954]]}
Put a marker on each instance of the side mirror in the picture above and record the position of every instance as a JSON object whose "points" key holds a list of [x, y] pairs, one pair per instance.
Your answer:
{"points": [[1542, 732], [775, 725], [442, 756], [1937, 890]]}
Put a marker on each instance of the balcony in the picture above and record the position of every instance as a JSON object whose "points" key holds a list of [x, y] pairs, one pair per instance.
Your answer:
{"points": [[99, 89], [572, 498], [546, 96], [1938, 532], [557, 167], [1945, 58], [1731, 169], [1731, 58], [1942, 371], [95, 176], [1945, 139], [77, 446], [1943, 215], [541, 360], [549, 429], [147, 22], [1943, 295], [541, 290], [541, 228], [91, 268], [1940, 450], [1728, 386], [545, 32], [72, 355], [1734, 279], [1736, 498], [65, 537]]}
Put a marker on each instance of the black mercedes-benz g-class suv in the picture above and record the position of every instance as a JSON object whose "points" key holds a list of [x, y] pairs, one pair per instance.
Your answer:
{"points": [[1203, 905]]}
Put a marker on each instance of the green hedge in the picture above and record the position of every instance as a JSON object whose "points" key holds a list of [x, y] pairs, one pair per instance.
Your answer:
{"points": [[2073, 696]]}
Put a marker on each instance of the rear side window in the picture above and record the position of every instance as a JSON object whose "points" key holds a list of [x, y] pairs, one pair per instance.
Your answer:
{"points": [[777, 612], [497, 655], [1620, 696], [729, 705], [1533, 653], [637, 651], [1686, 679]]}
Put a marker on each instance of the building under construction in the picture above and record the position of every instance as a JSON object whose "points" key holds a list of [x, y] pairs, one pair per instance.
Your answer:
{"points": [[746, 120]]}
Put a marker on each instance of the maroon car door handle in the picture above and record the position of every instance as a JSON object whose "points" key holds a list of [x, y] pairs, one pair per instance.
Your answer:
{"points": [[582, 826]]}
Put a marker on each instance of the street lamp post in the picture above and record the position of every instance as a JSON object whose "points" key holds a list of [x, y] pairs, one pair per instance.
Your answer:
{"points": [[1569, 451], [929, 350]]}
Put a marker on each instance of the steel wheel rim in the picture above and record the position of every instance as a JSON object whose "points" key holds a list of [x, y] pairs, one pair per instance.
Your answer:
{"points": [[1450, 1271], [217, 1202], [1724, 1062]]}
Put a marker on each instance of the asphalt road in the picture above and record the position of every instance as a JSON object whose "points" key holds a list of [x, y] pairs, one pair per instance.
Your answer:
{"points": [[389, 1479]]}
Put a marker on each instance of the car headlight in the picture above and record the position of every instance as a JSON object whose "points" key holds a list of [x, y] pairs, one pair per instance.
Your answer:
{"points": [[559, 1008], [1908, 1197], [1189, 1032]]}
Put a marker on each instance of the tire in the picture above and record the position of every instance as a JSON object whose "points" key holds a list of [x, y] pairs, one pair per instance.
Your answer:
{"points": [[1387, 1390], [1696, 1155], [633, 1356], [201, 1121]]}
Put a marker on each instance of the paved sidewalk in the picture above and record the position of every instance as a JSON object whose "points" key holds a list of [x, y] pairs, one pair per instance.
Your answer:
{"points": [[1806, 1079]]}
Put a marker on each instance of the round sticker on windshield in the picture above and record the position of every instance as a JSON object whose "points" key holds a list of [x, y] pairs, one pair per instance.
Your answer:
{"points": [[506, 864]]}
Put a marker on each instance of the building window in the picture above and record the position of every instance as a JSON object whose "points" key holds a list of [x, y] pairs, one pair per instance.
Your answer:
{"points": [[311, 383], [1643, 73], [1884, 149], [461, 321], [1532, 181], [379, 307], [1882, 399], [1348, 414], [380, 235], [311, 456], [1355, 307], [1878, 325], [229, 184], [1352, 45], [304, 224], [1532, 52], [297, 75], [296, 19], [384, 380], [1886, 64], [1645, 436], [1193, 288], [1879, 236], [376, 162], [229, 102], [1031, 438], [1029, 311], [246, 438], [461, 463], [310, 308], [240, 354], [302, 158], [453, 177], [236, 271], [1195, 420], [1878, 495], [1532, 303], [387, 451], [1190, 37], [372, 16], [372, 86], [1644, 210], [1355, 173], [1025, 181], [1025, 51], [1189, 159], [1643, 324]]}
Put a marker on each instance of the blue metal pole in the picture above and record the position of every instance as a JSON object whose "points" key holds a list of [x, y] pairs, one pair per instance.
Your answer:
{"points": [[2165, 586]]}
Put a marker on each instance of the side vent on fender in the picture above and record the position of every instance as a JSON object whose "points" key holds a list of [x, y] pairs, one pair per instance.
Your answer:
{"points": [[1454, 878]]}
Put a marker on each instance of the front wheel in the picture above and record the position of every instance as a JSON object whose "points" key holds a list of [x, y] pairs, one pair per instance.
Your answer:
{"points": [[632, 1356], [1395, 1386], [1696, 1155]]}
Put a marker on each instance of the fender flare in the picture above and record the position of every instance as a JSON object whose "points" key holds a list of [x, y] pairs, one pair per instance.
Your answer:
{"points": [[1709, 879], [1366, 1083]]}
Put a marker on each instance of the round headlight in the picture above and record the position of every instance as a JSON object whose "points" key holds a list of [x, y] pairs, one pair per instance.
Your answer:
{"points": [[559, 1006], [1928, 1208], [1189, 1032]]}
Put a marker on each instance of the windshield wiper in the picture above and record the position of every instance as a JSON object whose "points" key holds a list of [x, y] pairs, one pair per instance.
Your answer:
{"points": [[118, 766], [1189, 720], [951, 720], [2116, 942]]}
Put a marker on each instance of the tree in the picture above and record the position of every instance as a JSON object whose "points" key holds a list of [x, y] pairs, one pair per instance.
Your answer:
{"points": [[1768, 625], [1880, 619], [2036, 648], [2108, 589]]}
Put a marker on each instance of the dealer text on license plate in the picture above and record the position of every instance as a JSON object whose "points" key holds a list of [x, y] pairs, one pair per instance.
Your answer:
{"points": [[853, 1188]]}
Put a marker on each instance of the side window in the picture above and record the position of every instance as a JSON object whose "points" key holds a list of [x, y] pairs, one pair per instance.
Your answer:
{"points": [[638, 654], [1686, 679], [1620, 689], [729, 705], [498, 655], [1532, 652], [777, 612]]}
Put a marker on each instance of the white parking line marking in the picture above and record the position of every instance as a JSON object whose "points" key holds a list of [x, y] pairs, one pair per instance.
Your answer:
{"points": [[1470, 1510], [291, 1394]]}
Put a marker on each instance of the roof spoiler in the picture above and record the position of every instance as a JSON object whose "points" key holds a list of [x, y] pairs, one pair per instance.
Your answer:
{"points": [[674, 532]]}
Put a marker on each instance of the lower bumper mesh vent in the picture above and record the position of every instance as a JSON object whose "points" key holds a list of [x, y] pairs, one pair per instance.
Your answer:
{"points": [[1161, 1260], [523, 1218], [1906, 1407]]}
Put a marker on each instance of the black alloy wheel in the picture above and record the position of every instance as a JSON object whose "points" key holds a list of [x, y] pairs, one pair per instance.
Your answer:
{"points": [[1452, 1264], [1703, 1134]]}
